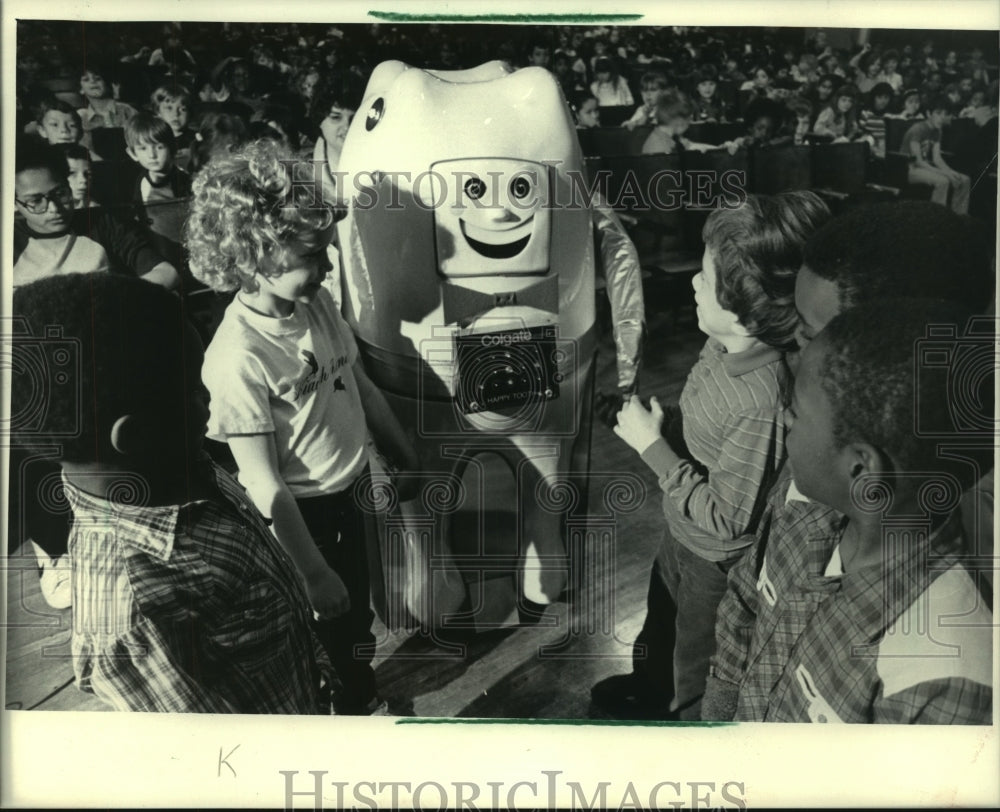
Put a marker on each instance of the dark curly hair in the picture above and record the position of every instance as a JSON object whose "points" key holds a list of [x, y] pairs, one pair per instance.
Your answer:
{"points": [[757, 250], [88, 349], [884, 392], [906, 249], [245, 205]]}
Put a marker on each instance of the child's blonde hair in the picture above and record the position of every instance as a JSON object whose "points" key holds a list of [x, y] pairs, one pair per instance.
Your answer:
{"points": [[245, 205]]}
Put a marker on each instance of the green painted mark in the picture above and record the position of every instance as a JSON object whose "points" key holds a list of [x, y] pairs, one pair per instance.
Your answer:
{"points": [[402, 17], [595, 722]]}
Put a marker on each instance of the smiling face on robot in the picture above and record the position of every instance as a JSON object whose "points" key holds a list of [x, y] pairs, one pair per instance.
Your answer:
{"points": [[493, 217]]}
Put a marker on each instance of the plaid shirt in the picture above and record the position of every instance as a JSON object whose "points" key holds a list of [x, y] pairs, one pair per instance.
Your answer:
{"points": [[881, 644], [189, 608]]}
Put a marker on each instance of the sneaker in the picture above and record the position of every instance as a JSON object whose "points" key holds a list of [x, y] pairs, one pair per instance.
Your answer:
{"points": [[623, 696], [54, 578]]}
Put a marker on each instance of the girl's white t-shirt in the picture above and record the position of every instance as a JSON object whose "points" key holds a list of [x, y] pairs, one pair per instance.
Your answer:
{"points": [[292, 377]]}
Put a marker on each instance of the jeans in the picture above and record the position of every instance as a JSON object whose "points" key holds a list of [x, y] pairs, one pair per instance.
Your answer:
{"points": [[337, 526], [672, 652]]}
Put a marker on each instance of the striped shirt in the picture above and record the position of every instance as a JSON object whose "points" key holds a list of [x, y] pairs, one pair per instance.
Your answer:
{"points": [[734, 427], [189, 608], [907, 641]]}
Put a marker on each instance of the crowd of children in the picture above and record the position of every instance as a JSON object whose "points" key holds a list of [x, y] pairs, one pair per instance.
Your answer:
{"points": [[775, 569]]}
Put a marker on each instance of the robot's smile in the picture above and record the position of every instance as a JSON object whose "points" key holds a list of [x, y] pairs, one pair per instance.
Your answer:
{"points": [[497, 243]]}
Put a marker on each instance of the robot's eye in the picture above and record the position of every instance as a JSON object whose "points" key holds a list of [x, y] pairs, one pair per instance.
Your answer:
{"points": [[520, 187], [475, 188], [375, 113]]}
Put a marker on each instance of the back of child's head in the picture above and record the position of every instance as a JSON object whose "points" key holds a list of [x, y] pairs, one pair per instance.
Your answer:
{"points": [[169, 93], [757, 251], [218, 133], [145, 128], [654, 80], [672, 107], [892, 370], [909, 249], [245, 206], [96, 347]]}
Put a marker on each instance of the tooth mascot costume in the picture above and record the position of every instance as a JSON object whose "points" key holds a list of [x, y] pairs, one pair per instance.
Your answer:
{"points": [[468, 276]]}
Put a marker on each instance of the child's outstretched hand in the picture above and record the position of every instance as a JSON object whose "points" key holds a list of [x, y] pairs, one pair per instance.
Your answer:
{"points": [[638, 426], [327, 594]]}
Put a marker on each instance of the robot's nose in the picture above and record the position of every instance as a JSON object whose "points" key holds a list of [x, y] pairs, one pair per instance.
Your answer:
{"points": [[504, 215]]}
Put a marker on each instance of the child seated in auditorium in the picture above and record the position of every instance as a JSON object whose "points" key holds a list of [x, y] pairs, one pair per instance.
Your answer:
{"points": [[654, 87], [219, 132], [102, 109], [839, 120], [673, 117], [733, 427], [182, 599], [705, 104], [889, 74], [765, 120], [51, 238], [332, 116], [288, 391], [922, 142], [806, 70], [162, 188], [849, 616], [976, 106], [873, 113], [58, 123], [78, 165], [911, 109], [609, 87], [802, 113], [171, 103], [586, 111]]}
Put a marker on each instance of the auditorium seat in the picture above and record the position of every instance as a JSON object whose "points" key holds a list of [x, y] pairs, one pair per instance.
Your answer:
{"points": [[613, 140], [840, 168], [780, 169]]}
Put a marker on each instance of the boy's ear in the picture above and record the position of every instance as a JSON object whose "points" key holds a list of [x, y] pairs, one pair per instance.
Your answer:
{"points": [[864, 458], [131, 154]]}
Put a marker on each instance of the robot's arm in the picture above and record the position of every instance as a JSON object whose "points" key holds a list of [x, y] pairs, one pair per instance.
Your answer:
{"points": [[620, 263]]}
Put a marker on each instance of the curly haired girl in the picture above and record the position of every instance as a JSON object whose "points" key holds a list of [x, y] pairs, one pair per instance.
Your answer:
{"points": [[287, 388]]}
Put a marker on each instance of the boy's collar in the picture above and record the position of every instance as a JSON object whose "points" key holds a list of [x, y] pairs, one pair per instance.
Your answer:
{"points": [[740, 363], [168, 176]]}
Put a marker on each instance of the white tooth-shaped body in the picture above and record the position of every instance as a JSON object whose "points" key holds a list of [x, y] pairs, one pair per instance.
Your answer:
{"points": [[467, 218]]}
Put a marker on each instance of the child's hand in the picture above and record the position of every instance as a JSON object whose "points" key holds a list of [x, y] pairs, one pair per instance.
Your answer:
{"points": [[327, 594], [637, 426]]}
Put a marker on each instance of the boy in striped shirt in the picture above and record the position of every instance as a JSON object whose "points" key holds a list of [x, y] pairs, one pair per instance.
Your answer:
{"points": [[731, 412]]}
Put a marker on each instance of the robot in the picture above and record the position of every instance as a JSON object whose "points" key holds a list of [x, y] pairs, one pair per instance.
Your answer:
{"points": [[468, 276]]}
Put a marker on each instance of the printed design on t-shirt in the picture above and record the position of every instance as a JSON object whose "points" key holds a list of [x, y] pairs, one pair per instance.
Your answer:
{"points": [[310, 359], [317, 374]]}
